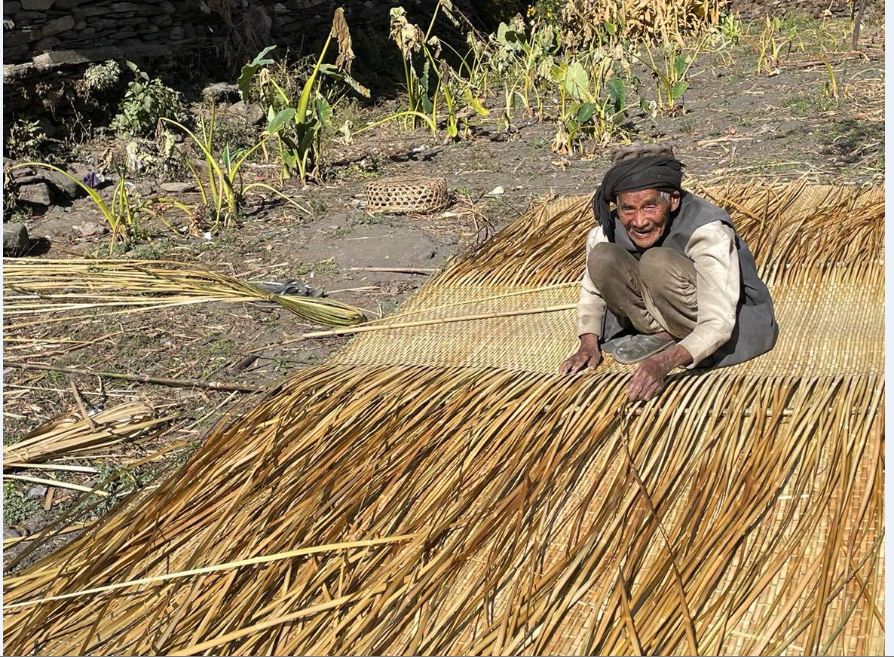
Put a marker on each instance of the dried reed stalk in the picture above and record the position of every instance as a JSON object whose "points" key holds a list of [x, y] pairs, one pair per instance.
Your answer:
{"points": [[75, 435], [37, 288], [739, 513]]}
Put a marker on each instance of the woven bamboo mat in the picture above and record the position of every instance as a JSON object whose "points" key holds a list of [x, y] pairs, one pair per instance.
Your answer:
{"points": [[739, 513]]}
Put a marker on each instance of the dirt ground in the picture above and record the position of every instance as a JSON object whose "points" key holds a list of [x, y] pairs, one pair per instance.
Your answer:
{"points": [[735, 123]]}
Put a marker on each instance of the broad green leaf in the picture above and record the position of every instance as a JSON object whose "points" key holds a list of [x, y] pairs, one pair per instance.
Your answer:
{"points": [[616, 93], [475, 103], [324, 110], [248, 71], [577, 82], [585, 112], [679, 89], [276, 122]]}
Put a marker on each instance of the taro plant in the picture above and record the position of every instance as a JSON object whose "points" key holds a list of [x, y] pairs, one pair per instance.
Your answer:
{"points": [[296, 126], [220, 183], [590, 107], [430, 81]]}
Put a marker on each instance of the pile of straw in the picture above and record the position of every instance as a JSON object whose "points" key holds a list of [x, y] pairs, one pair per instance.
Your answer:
{"points": [[48, 291], [378, 508], [74, 435]]}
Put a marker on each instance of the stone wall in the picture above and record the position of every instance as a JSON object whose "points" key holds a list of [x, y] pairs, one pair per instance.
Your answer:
{"points": [[52, 32]]}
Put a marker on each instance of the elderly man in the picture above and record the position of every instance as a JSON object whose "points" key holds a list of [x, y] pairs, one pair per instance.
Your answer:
{"points": [[668, 282]]}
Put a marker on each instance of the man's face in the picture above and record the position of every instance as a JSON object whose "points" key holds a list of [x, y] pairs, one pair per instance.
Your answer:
{"points": [[645, 215]]}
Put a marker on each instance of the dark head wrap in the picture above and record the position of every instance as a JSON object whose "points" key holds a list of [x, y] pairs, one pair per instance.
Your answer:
{"points": [[632, 175]]}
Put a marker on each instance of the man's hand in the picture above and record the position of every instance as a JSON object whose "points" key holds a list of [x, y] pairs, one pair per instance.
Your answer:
{"points": [[587, 355], [650, 378]]}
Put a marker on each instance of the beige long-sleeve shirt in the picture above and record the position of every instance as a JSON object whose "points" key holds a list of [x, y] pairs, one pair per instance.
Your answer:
{"points": [[712, 249]]}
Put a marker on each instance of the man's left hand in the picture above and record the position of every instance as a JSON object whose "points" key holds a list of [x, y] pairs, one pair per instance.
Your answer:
{"points": [[649, 380]]}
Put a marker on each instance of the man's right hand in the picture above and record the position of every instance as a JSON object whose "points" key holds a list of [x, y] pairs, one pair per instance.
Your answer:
{"points": [[587, 355]]}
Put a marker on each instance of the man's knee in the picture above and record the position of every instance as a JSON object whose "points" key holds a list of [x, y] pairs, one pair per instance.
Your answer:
{"points": [[605, 261], [662, 268]]}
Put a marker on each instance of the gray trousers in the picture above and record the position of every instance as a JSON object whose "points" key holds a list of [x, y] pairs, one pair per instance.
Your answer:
{"points": [[655, 293]]}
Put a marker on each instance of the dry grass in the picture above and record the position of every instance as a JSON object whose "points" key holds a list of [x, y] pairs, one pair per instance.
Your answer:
{"points": [[52, 291], [514, 511], [82, 435], [666, 22]]}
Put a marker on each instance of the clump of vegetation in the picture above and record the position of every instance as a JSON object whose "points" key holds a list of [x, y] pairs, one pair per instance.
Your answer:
{"points": [[145, 103], [296, 125], [220, 181], [17, 506], [589, 23], [101, 78], [25, 139]]}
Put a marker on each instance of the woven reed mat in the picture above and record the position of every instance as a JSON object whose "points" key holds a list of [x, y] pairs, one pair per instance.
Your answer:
{"points": [[517, 511]]}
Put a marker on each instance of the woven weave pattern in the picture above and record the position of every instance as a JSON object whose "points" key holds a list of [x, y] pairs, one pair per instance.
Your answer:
{"points": [[738, 513], [405, 195]]}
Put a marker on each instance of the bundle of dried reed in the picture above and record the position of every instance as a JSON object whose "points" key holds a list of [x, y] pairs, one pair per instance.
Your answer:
{"points": [[76, 435], [40, 289], [512, 510]]}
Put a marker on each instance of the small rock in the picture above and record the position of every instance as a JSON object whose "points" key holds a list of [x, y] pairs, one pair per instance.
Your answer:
{"points": [[36, 5], [178, 187], [428, 254], [221, 93], [37, 492], [9, 532], [36, 194], [787, 128], [496, 191], [63, 184], [58, 25], [251, 112], [33, 524], [91, 228], [15, 239]]}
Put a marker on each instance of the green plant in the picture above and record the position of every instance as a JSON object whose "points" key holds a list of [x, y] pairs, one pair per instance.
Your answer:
{"points": [[297, 127], [830, 86], [590, 107], [100, 78], [221, 188], [429, 79], [145, 103], [122, 213], [727, 32], [24, 139], [671, 74], [17, 506], [776, 37]]}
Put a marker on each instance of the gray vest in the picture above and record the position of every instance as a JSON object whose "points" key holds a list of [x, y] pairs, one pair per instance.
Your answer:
{"points": [[756, 330]]}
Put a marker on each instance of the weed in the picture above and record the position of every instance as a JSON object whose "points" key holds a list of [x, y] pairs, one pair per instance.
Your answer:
{"points": [[145, 103], [101, 78], [25, 139], [17, 506], [310, 269]]}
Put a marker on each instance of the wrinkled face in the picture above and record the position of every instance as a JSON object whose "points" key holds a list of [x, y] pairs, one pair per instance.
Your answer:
{"points": [[645, 215]]}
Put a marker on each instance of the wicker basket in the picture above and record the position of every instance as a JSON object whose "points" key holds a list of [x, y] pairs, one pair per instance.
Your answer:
{"points": [[406, 195]]}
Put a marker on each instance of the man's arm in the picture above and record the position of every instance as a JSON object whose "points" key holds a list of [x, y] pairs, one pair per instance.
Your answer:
{"points": [[712, 249], [590, 313]]}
